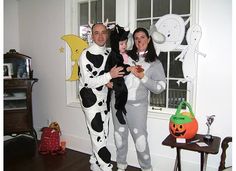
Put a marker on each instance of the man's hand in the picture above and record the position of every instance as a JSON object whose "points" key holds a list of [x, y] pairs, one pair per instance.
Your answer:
{"points": [[116, 72], [109, 85]]}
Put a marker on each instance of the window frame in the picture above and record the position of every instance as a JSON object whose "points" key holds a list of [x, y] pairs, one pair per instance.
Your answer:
{"points": [[124, 18], [71, 27], [160, 112]]}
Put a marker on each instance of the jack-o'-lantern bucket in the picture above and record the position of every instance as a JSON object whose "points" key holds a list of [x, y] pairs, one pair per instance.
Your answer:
{"points": [[183, 124]]}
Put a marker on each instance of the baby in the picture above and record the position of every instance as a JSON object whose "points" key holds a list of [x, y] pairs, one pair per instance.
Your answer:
{"points": [[118, 57]]}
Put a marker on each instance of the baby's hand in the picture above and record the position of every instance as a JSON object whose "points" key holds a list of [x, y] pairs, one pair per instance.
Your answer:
{"points": [[131, 69]]}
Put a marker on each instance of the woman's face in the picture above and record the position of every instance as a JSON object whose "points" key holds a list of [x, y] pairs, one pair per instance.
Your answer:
{"points": [[122, 46], [141, 41]]}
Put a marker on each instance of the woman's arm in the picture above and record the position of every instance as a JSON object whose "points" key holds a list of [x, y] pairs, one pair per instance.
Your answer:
{"points": [[154, 78]]}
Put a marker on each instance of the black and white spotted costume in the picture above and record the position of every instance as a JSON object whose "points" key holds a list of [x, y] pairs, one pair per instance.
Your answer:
{"points": [[93, 96]]}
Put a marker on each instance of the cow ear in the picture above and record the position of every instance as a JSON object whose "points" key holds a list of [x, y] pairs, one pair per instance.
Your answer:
{"points": [[106, 22], [90, 24], [111, 26], [130, 42]]}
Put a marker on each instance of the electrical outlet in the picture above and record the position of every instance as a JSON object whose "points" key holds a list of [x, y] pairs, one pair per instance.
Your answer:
{"points": [[48, 122]]}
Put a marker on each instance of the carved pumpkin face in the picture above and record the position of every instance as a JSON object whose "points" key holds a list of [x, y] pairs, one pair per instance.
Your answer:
{"points": [[183, 126], [177, 130]]}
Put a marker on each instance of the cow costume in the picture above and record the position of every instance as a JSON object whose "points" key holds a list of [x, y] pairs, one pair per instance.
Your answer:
{"points": [[93, 97], [115, 58]]}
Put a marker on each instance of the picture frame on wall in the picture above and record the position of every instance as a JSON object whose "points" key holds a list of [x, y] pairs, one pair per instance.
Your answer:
{"points": [[7, 70]]}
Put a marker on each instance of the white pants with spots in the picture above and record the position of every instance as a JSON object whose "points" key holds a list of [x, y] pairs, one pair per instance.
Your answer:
{"points": [[97, 124], [136, 124]]}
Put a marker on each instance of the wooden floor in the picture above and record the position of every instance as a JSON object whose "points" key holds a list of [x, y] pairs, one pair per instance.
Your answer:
{"points": [[18, 157]]}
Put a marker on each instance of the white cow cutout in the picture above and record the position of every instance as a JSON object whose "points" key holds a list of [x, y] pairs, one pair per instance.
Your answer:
{"points": [[172, 26]]}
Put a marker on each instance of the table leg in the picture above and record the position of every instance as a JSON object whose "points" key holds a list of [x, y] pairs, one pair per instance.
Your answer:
{"points": [[178, 159], [203, 161], [176, 163]]}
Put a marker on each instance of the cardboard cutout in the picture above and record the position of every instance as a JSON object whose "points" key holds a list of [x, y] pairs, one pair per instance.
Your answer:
{"points": [[187, 56], [157, 37], [173, 28], [77, 45]]}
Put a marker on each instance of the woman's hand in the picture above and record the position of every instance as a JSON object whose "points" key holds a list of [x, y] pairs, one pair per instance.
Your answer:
{"points": [[139, 75], [138, 72]]}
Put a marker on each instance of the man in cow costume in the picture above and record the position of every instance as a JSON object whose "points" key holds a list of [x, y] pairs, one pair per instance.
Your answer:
{"points": [[93, 96]]}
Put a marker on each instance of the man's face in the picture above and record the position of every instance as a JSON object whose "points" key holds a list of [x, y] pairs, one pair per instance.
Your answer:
{"points": [[99, 34]]}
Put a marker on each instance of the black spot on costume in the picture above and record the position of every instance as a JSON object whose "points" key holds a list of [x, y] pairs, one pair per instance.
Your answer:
{"points": [[88, 97]]}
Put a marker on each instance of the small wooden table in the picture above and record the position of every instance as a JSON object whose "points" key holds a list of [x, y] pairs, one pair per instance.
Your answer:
{"points": [[212, 148]]}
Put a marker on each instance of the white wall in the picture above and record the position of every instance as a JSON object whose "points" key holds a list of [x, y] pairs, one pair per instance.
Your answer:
{"points": [[41, 24], [11, 25]]}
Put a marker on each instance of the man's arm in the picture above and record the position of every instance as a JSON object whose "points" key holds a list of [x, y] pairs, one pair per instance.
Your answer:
{"points": [[91, 81]]}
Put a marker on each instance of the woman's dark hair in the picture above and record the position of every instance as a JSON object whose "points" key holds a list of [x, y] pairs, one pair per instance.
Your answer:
{"points": [[151, 54]]}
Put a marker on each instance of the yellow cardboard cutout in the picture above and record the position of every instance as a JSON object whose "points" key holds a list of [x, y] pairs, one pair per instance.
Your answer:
{"points": [[77, 45]]}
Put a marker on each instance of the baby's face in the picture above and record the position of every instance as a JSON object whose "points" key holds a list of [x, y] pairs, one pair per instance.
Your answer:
{"points": [[122, 46]]}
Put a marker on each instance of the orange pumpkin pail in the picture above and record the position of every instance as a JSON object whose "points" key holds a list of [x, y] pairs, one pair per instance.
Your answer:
{"points": [[183, 124]]}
